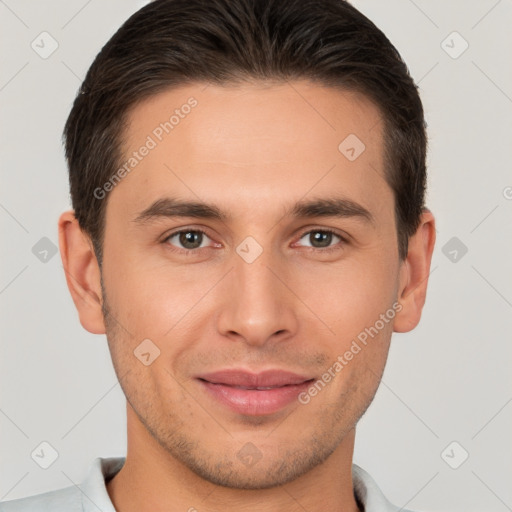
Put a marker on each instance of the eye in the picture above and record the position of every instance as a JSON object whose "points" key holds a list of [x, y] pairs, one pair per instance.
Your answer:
{"points": [[322, 239], [194, 239], [187, 239]]}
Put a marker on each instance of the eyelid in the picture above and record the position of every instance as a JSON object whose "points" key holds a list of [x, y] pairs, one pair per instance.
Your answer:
{"points": [[344, 239], [166, 238]]}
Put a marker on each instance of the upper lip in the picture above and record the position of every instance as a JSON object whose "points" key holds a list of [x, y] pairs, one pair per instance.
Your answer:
{"points": [[243, 378]]}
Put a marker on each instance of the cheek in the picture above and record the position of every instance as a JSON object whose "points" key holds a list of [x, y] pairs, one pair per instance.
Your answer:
{"points": [[351, 295], [151, 299]]}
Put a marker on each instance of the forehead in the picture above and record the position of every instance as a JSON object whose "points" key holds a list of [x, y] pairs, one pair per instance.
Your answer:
{"points": [[252, 144]]}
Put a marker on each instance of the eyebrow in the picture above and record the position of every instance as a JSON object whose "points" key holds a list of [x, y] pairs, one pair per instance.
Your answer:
{"points": [[168, 207]]}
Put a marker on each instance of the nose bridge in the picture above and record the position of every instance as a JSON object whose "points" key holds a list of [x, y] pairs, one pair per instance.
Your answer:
{"points": [[258, 304]]}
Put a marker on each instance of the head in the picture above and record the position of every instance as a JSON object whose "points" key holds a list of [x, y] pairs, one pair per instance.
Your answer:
{"points": [[298, 134]]}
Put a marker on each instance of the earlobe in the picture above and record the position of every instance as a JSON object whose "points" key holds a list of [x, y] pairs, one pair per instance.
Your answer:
{"points": [[414, 274], [82, 272]]}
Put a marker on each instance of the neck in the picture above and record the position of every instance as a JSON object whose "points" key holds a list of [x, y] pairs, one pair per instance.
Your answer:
{"points": [[152, 480]]}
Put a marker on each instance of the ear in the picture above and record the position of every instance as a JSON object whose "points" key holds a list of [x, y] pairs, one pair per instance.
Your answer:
{"points": [[414, 274], [82, 272]]}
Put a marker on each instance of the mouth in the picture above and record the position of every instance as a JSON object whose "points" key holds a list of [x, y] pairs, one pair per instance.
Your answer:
{"points": [[259, 388], [254, 394]]}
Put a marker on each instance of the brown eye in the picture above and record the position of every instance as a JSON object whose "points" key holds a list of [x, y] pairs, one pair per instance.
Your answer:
{"points": [[189, 239], [320, 238]]}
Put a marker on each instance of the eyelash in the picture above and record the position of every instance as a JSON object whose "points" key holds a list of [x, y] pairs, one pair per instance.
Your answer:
{"points": [[330, 249]]}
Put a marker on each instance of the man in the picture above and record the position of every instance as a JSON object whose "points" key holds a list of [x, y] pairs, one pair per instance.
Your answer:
{"points": [[249, 228]]}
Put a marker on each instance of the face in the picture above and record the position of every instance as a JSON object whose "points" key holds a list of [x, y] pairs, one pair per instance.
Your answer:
{"points": [[294, 255]]}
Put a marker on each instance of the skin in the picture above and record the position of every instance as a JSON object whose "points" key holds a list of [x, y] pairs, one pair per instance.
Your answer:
{"points": [[253, 150]]}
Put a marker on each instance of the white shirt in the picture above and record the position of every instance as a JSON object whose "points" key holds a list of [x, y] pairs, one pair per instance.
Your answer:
{"points": [[92, 495]]}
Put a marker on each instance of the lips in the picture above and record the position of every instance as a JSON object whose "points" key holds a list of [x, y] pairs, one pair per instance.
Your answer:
{"points": [[265, 380], [254, 394]]}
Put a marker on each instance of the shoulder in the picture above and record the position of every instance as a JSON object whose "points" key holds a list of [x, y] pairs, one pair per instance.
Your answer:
{"points": [[68, 499], [90, 496], [369, 495]]}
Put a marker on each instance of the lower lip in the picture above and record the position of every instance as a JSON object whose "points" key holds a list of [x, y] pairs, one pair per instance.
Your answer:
{"points": [[255, 402]]}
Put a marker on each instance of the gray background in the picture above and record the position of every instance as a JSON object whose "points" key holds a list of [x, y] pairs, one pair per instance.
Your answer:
{"points": [[446, 381]]}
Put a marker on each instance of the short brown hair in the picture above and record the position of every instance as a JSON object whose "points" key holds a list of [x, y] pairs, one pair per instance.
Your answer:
{"points": [[169, 43]]}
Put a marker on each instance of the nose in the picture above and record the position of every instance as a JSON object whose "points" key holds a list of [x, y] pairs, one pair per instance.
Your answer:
{"points": [[259, 306]]}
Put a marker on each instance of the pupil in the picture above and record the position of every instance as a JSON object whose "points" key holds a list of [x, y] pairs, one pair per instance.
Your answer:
{"points": [[323, 238], [189, 239]]}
